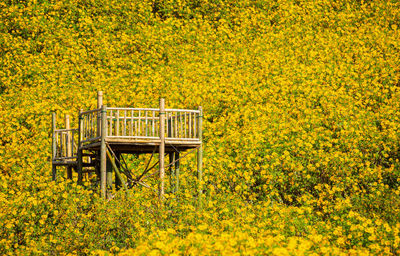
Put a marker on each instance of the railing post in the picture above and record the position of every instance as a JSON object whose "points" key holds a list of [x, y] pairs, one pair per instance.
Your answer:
{"points": [[54, 147], [68, 145], [79, 150], [162, 147], [200, 155], [99, 104], [103, 151]]}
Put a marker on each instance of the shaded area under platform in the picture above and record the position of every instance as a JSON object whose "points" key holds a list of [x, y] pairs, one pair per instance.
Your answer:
{"points": [[134, 146]]}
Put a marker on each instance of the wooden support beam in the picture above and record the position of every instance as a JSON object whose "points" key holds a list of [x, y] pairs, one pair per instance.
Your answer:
{"points": [[103, 150], [200, 155], [177, 156], [79, 153], [54, 147], [110, 158], [162, 147], [68, 145]]}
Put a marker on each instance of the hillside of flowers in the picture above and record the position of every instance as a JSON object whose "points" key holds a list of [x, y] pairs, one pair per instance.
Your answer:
{"points": [[301, 105]]}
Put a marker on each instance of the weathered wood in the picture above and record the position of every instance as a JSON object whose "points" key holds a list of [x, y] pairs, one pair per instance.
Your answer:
{"points": [[79, 154], [153, 124], [145, 123], [139, 130], [117, 170], [177, 164], [68, 145], [117, 124], [200, 155], [190, 125], [162, 147], [54, 146], [68, 137], [134, 131], [111, 124], [124, 131], [176, 125], [194, 126], [103, 151], [185, 134], [99, 104]]}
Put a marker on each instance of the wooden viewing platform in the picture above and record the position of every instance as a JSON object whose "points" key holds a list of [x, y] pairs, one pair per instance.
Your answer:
{"points": [[105, 133]]}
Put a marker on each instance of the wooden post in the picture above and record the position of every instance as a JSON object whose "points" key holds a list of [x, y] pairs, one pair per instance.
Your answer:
{"points": [[54, 147], [200, 155], [99, 104], [103, 153], [68, 145], [79, 153], [177, 172], [162, 147]]}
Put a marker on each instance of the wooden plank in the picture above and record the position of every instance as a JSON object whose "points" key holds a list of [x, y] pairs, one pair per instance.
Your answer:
{"points": [[89, 125], [117, 124], [62, 151], [136, 128], [190, 125], [124, 130], [92, 129], [139, 131], [131, 130], [72, 142], [194, 125], [176, 125], [153, 123], [68, 143], [111, 123], [181, 126], [185, 125], [145, 123]]}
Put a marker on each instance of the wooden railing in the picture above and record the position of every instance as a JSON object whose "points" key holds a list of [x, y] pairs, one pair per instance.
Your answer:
{"points": [[182, 124], [65, 144], [89, 125], [144, 123], [125, 123], [133, 122]]}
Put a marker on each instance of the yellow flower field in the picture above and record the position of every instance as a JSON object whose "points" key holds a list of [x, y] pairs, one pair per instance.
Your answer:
{"points": [[301, 105]]}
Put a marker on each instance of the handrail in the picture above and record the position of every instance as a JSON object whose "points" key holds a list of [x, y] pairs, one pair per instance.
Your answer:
{"points": [[145, 123], [66, 146], [66, 130], [155, 109], [127, 123]]}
